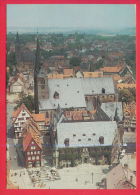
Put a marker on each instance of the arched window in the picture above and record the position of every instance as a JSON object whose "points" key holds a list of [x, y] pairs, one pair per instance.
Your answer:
{"points": [[101, 140]]}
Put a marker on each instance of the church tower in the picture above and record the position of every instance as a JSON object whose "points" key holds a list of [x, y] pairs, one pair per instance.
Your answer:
{"points": [[36, 70], [17, 49], [43, 91]]}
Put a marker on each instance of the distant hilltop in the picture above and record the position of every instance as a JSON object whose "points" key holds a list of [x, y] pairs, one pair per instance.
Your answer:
{"points": [[104, 32]]}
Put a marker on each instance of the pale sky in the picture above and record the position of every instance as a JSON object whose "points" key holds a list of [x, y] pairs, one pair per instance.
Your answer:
{"points": [[70, 15]]}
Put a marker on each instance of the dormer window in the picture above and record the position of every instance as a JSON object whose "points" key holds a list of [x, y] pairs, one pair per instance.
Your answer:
{"points": [[103, 90], [66, 142], [56, 95], [101, 140]]}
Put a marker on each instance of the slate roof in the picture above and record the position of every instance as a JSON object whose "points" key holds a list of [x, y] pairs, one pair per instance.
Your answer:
{"points": [[70, 94], [110, 108], [93, 86], [86, 134], [72, 91]]}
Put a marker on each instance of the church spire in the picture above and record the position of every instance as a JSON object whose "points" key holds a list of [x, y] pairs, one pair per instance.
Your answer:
{"points": [[36, 70], [17, 49]]}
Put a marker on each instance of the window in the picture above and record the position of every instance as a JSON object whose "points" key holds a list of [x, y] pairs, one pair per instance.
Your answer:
{"points": [[29, 158], [33, 147], [37, 157], [101, 140], [31, 153], [89, 139], [42, 87], [28, 153], [20, 119], [79, 140], [103, 90], [74, 135], [32, 142], [84, 134], [23, 114], [66, 142], [56, 95], [33, 157], [94, 134], [38, 152], [34, 152]]}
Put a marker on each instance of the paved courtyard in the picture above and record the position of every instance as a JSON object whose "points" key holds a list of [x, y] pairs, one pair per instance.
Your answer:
{"points": [[84, 176]]}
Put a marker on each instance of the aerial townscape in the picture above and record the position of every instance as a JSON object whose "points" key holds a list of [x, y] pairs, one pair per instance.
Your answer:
{"points": [[71, 111]]}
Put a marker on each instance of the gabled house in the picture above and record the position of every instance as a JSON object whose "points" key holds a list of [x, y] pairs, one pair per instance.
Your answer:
{"points": [[17, 84], [95, 142], [129, 111], [120, 177], [42, 121], [20, 116], [32, 149]]}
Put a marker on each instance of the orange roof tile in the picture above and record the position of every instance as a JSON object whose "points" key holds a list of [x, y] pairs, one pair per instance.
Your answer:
{"points": [[47, 121], [55, 76], [39, 117], [130, 108], [75, 115], [27, 140], [31, 132], [92, 74], [68, 71], [111, 69], [126, 85], [31, 126]]}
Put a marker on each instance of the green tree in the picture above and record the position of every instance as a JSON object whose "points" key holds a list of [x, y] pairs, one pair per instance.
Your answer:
{"points": [[125, 95], [75, 61], [28, 101]]}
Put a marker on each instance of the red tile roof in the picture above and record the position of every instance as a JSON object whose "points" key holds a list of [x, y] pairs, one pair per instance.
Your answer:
{"points": [[111, 69], [18, 110], [39, 117], [31, 131]]}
